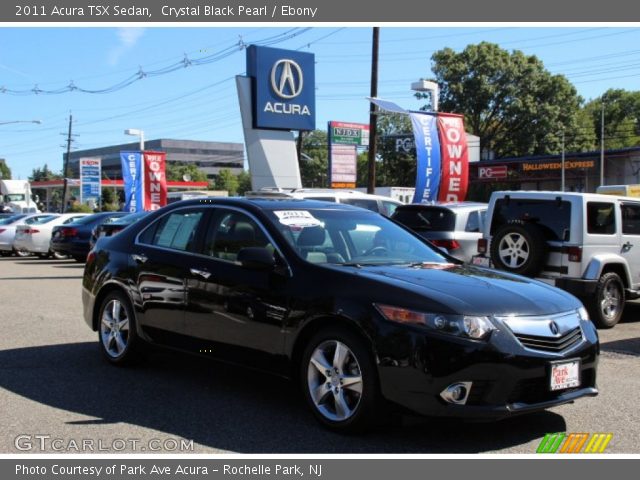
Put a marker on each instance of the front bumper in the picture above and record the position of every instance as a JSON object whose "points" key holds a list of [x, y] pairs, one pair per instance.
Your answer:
{"points": [[507, 379]]}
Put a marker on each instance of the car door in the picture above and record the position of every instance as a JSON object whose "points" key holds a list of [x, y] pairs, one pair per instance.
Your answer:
{"points": [[160, 259], [630, 239], [233, 311]]}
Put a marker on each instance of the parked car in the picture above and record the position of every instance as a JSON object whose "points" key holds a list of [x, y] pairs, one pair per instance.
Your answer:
{"points": [[376, 203], [455, 227], [359, 309], [8, 230], [119, 224], [587, 244], [36, 238], [73, 239]]}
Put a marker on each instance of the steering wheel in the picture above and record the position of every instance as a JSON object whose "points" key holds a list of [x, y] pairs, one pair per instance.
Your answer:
{"points": [[378, 251]]}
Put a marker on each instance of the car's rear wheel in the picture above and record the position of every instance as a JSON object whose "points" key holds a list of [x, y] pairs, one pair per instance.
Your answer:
{"points": [[607, 305], [22, 253], [339, 381], [57, 255], [116, 329]]}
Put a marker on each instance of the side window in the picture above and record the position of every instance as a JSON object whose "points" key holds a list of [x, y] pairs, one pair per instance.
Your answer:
{"points": [[362, 203], [631, 218], [601, 218], [388, 208], [230, 232], [473, 222], [176, 230]]}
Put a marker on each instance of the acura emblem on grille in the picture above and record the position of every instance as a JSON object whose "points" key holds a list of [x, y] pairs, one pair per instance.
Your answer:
{"points": [[553, 326]]}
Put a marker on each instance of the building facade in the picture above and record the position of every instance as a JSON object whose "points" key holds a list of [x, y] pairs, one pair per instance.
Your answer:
{"points": [[210, 157]]}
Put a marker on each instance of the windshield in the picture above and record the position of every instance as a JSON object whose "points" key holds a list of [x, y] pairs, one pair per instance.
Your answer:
{"points": [[14, 197], [351, 238]]}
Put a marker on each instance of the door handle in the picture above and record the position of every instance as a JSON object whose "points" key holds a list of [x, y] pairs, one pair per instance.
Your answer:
{"points": [[139, 258], [200, 273]]}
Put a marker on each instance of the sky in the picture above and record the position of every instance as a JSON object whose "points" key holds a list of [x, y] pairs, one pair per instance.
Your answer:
{"points": [[199, 102]]}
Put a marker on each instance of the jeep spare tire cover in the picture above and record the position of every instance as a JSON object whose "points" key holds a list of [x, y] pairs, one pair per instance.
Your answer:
{"points": [[519, 247]]}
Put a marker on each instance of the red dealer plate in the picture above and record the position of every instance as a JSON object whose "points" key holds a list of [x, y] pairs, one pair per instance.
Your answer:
{"points": [[565, 375]]}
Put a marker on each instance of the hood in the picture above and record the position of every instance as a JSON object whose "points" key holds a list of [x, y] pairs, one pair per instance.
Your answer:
{"points": [[466, 289]]}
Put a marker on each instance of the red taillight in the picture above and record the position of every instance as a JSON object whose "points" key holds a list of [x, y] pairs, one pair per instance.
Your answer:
{"points": [[482, 245], [30, 231], [575, 254], [69, 232], [91, 256], [2, 230], [448, 244]]}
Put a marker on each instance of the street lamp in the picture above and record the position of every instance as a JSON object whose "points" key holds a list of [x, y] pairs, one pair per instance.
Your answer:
{"points": [[423, 85], [136, 133], [21, 121]]}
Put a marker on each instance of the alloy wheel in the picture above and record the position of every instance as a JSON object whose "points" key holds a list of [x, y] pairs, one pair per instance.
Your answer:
{"points": [[334, 379], [514, 250], [114, 328], [611, 300]]}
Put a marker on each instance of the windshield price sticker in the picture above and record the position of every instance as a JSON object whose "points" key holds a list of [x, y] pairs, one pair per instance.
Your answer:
{"points": [[297, 218]]}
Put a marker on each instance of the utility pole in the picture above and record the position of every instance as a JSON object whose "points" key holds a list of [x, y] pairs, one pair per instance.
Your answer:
{"points": [[299, 146], [563, 175], [373, 119], [65, 165], [602, 144]]}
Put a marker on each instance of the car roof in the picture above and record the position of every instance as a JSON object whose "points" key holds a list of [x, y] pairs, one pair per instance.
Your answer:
{"points": [[449, 205], [542, 194], [270, 204], [315, 192]]}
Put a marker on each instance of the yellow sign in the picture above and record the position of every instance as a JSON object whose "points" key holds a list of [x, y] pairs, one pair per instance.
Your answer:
{"points": [[569, 165]]}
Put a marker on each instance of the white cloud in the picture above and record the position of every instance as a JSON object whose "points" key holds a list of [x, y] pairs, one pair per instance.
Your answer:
{"points": [[127, 39]]}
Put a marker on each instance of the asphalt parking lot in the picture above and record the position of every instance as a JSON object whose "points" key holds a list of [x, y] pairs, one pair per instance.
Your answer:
{"points": [[55, 386]]}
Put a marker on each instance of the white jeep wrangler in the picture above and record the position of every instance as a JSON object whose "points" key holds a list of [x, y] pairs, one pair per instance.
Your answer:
{"points": [[584, 243]]}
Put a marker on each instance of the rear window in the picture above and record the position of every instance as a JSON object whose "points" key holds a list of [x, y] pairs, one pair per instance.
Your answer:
{"points": [[362, 203], [601, 218], [426, 219], [43, 220], [553, 216]]}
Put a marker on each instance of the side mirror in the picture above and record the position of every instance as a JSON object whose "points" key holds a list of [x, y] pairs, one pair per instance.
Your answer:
{"points": [[256, 258]]}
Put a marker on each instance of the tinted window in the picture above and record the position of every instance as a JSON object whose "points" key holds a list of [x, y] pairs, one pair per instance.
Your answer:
{"points": [[176, 230], [231, 231], [40, 220], [322, 199], [631, 218], [601, 218], [473, 222], [553, 216], [362, 203], [426, 219], [388, 208], [10, 220]]}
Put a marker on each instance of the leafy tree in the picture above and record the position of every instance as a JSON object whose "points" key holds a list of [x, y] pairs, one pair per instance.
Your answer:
{"points": [[314, 159], [226, 180], [44, 173], [621, 118], [244, 182], [109, 200], [176, 172], [5, 171], [79, 208], [396, 169], [509, 100]]}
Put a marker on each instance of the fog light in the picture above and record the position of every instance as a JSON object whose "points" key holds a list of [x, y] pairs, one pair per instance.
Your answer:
{"points": [[456, 393]]}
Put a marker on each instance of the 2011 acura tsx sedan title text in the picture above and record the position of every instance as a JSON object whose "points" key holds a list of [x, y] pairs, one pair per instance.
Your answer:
{"points": [[361, 311]]}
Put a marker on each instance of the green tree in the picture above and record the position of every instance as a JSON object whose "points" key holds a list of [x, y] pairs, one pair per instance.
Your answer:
{"points": [[394, 168], [5, 171], [508, 99], [314, 159], [43, 173], [621, 118], [244, 182], [226, 180], [177, 172], [109, 200]]}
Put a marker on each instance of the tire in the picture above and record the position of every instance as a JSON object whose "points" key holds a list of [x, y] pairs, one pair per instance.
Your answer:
{"points": [[43, 256], [117, 330], [519, 248], [607, 304], [22, 253], [57, 255], [341, 408]]}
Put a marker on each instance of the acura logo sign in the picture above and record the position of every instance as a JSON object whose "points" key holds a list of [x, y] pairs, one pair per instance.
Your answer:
{"points": [[288, 84], [553, 326]]}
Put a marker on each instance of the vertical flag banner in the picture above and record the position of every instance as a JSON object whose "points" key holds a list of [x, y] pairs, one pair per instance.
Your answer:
{"points": [[455, 158], [155, 180], [428, 153], [90, 179], [132, 179]]}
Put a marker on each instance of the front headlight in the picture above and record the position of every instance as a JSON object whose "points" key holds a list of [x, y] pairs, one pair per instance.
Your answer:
{"points": [[583, 314], [469, 326]]}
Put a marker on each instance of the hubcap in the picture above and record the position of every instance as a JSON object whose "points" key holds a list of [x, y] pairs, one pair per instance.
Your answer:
{"points": [[334, 380], [114, 330], [513, 250], [610, 303]]}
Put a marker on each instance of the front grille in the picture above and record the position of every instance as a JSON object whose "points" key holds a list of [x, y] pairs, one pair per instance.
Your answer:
{"points": [[549, 344]]}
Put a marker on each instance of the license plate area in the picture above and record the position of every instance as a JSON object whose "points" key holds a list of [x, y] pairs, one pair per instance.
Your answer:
{"points": [[564, 374], [481, 261]]}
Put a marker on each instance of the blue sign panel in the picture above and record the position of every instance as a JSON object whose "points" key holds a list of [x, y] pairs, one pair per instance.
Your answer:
{"points": [[284, 96], [427, 143], [90, 174], [132, 179]]}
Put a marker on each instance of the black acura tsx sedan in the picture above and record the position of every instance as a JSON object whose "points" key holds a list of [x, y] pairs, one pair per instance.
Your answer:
{"points": [[361, 311]]}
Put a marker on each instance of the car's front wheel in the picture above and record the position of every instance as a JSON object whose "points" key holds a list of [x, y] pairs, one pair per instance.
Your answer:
{"points": [[116, 330], [606, 306], [339, 381]]}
